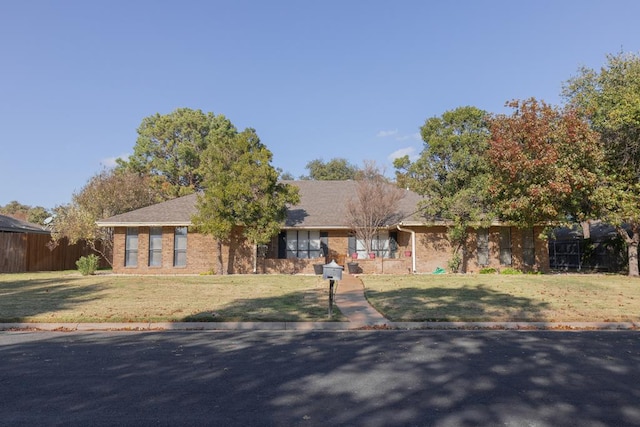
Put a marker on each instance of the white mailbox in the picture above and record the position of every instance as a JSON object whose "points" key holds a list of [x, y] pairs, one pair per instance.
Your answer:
{"points": [[332, 271]]}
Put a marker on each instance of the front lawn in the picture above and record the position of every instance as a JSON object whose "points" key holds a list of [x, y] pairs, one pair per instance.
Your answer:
{"points": [[545, 298], [69, 297]]}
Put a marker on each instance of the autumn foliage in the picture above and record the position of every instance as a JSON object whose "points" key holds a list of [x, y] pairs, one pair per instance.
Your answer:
{"points": [[545, 164]]}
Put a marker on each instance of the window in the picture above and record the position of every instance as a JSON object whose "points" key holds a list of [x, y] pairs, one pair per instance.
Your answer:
{"points": [[528, 247], [393, 244], [482, 241], [505, 246], [379, 246], [155, 246], [306, 244], [131, 247], [180, 247]]}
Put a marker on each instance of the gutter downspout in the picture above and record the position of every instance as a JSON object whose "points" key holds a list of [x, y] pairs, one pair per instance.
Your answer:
{"points": [[413, 246]]}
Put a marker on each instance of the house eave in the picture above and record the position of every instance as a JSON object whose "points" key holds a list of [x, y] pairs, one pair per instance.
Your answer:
{"points": [[144, 224], [316, 227]]}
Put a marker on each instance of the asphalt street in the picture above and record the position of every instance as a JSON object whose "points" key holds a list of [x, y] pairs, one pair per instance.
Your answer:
{"points": [[320, 378]]}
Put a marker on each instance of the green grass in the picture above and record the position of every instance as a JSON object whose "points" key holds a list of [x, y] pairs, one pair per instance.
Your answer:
{"points": [[546, 298], [70, 297]]}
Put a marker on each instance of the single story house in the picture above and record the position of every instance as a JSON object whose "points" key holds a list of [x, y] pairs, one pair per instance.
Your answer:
{"points": [[160, 239]]}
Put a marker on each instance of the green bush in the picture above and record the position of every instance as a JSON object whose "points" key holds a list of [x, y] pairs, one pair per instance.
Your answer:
{"points": [[510, 270], [454, 263], [488, 270], [88, 265]]}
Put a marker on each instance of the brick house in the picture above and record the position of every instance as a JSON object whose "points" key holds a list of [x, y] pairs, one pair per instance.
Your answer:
{"points": [[160, 239]]}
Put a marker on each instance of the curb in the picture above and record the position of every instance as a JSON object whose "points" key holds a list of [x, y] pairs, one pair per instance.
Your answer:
{"points": [[177, 326], [525, 326], [317, 326]]}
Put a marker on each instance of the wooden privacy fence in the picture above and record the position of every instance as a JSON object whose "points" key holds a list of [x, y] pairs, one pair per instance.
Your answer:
{"points": [[26, 252]]}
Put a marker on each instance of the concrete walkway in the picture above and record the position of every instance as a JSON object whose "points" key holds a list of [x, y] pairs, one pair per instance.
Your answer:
{"points": [[352, 303]]}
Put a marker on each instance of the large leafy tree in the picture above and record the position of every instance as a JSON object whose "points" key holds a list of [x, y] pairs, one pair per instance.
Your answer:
{"points": [[335, 169], [108, 193], [610, 99], [545, 164], [241, 188], [169, 148], [452, 173]]}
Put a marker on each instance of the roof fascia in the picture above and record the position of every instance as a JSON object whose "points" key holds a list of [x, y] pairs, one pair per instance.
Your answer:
{"points": [[144, 224], [317, 227]]}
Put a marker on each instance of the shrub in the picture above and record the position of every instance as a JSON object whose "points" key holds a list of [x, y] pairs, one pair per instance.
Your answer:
{"points": [[88, 265], [488, 270], [454, 263], [510, 270]]}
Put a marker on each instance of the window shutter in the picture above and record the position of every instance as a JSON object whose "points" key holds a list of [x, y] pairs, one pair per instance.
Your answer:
{"points": [[282, 245]]}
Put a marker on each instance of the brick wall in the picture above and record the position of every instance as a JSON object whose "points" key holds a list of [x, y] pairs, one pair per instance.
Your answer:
{"points": [[201, 254], [433, 250]]}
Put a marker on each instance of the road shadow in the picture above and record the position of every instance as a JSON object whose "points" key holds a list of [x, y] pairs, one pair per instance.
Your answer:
{"points": [[467, 303], [372, 378]]}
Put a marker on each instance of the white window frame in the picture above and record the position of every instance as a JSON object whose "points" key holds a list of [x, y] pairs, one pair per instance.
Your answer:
{"points": [[379, 246], [131, 247], [155, 246], [304, 244], [180, 247]]}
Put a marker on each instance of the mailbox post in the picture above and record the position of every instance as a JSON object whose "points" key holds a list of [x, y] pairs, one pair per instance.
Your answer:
{"points": [[333, 272]]}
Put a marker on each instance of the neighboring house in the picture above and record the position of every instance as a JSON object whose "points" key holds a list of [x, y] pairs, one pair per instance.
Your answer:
{"points": [[25, 247], [161, 239]]}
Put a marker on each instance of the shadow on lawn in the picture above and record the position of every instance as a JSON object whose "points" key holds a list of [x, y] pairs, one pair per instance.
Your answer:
{"points": [[468, 303], [21, 300], [303, 306]]}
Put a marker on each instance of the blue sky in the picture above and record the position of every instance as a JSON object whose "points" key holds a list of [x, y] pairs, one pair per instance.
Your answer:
{"points": [[317, 79]]}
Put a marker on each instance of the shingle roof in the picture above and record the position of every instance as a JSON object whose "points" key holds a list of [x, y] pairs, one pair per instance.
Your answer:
{"points": [[13, 225], [323, 204], [174, 212]]}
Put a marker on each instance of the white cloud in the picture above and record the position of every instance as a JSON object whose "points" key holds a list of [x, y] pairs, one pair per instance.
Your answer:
{"points": [[110, 162], [397, 136], [413, 136], [407, 151], [386, 133]]}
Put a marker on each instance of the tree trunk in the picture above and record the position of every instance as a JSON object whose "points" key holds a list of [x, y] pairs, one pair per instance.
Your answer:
{"points": [[220, 266], [255, 258], [463, 261], [632, 248], [632, 252]]}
